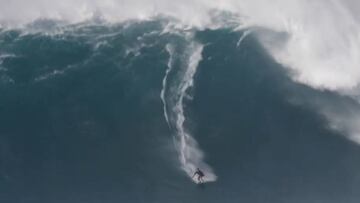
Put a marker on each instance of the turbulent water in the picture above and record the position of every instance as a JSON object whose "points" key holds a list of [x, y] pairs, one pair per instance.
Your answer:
{"points": [[101, 111]]}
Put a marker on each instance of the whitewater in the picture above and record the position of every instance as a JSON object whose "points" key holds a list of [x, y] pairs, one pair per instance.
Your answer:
{"points": [[106, 101]]}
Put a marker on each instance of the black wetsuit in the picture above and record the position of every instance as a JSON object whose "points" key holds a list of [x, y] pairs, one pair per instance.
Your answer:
{"points": [[200, 175]]}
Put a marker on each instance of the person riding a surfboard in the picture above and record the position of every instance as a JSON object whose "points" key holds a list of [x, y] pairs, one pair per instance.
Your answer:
{"points": [[199, 174]]}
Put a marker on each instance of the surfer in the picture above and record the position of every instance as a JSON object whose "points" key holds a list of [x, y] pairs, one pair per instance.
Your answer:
{"points": [[199, 174]]}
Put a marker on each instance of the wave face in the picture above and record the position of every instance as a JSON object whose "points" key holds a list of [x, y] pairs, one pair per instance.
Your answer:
{"points": [[125, 112]]}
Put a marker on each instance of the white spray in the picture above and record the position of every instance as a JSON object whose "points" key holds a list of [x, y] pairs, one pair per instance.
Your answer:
{"points": [[173, 94]]}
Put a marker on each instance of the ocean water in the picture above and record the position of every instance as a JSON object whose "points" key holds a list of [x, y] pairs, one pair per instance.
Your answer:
{"points": [[125, 112]]}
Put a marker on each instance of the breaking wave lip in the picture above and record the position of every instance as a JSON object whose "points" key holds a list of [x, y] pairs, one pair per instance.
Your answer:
{"points": [[190, 155], [323, 43]]}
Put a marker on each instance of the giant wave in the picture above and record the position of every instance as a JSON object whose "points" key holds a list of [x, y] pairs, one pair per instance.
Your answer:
{"points": [[126, 107]]}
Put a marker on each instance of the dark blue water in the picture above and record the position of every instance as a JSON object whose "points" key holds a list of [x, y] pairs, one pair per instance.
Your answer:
{"points": [[81, 120]]}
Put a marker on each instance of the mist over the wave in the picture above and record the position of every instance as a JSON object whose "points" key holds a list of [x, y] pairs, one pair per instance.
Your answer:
{"points": [[321, 40]]}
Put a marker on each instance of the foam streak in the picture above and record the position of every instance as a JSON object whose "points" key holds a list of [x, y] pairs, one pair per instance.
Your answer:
{"points": [[173, 95]]}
